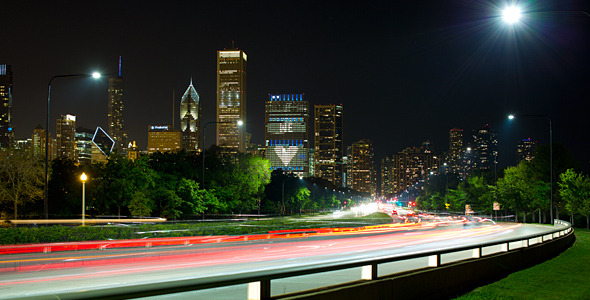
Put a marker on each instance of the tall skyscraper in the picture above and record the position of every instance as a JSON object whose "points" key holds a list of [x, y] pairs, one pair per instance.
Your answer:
{"points": [[231, 99], [163, 138], [456, 151], [485, 148], [328, 143], [6, 133], [116, 122], [190, 119], [386, 185], [66, 137], [526, 149], [287, 133], [362, 167]]}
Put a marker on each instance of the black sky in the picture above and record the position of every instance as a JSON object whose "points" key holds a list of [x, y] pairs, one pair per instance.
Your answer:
{"points": [[404, 72]]}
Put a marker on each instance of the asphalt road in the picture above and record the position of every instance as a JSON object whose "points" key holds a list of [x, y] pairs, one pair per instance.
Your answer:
{"points": [[48, 273]]}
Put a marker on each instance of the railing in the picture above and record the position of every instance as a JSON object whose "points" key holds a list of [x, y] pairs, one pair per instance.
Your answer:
{"points": [[259, 282]]}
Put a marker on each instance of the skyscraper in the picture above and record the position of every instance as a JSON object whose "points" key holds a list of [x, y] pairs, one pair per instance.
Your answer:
{"points": [[84, 145], [66, 137], [116, 122], [231, 99], [456, 150], [485, 148], [328, 143], [287, 133], [6, 133], [362, 167], [190, 119], [409, 167]]}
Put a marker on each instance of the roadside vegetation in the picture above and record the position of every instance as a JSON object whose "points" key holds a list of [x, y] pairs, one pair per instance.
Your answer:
{"points": [[53, 234], [564, 277]]}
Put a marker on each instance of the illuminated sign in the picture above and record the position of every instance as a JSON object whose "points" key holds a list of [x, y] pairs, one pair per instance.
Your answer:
{"points": [[163, 127]]}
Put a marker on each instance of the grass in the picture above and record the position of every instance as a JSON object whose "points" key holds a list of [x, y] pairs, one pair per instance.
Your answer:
{"points": [[52, 234], [563, 277]]}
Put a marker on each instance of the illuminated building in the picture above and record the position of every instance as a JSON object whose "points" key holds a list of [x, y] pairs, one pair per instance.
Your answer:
{"points": [[386, 184], [287, 133], [162, 138], [190, 119], [456, 151], [22, 144], [132, 151], [485, 148], [328, 149], [362, 167], [231, 99], [526, 149], [116, 124], [409, 167], [6, 133], [38, 143], [66, 137], [84, 144]]}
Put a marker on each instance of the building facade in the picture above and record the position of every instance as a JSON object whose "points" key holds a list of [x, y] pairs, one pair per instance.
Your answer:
{"points": [[409, 167], [287, 133], [66, 137], [456, 151], [116, 122], [163, 138], [84, 145], [386, 184], [526, 149], [362, 167], [328, 147], [231, 99], [190, 119], [6, 130], [485, 148]]}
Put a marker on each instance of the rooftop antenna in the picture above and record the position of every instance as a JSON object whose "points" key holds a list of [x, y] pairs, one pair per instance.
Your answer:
{"points": [[119, 66], [173, 108], [232, 45]]}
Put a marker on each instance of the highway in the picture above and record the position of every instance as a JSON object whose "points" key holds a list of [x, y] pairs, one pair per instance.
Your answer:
{"points": [[47, 273]]}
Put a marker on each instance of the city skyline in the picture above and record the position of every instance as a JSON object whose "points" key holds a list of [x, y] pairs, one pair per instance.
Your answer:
{"points": [[441, 66]]}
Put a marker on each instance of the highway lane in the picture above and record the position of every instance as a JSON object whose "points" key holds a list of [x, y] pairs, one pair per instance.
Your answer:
{"points": [[34, 274]]}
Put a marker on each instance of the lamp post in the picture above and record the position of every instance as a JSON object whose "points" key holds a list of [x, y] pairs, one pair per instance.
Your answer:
{"points": [[83, 178], [283, 197], [239, 123], [511, 117], [94, 75]]}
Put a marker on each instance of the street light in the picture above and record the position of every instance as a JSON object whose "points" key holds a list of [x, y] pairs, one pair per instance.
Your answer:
{"points": [[511, 14], [239, 123], [83, 177], [94, 75], [511, 117]]}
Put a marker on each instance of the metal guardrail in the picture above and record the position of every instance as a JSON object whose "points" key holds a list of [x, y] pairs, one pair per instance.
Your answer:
{"points": [[259, 282]]}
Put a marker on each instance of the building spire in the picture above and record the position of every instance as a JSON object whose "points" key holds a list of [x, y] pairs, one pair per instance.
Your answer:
{"points": [[119, 66], [191, 81]]}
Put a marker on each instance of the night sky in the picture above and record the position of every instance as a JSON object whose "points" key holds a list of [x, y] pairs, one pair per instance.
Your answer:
{"points": [[404, 73]]}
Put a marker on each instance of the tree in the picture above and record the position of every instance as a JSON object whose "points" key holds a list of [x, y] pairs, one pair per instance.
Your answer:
{"points": [[574, 188], [140, 205], [21, 177]]}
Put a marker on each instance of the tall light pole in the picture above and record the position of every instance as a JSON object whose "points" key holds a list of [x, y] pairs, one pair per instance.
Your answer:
{"points": [[511, 117], [94, 75], [83, 178], [239, 123]]}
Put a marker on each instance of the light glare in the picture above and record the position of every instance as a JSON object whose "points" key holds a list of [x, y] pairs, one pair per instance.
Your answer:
{"points": [[511, 14], [95, 75]]}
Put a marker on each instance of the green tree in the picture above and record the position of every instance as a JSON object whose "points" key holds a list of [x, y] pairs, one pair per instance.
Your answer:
{"points": [[140, 204], [574, 188], [21, 177]]}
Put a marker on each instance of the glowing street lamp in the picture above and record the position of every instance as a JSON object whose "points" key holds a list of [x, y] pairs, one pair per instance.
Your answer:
{"points": [[511, 14], [83, 178], [94, 75]]}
